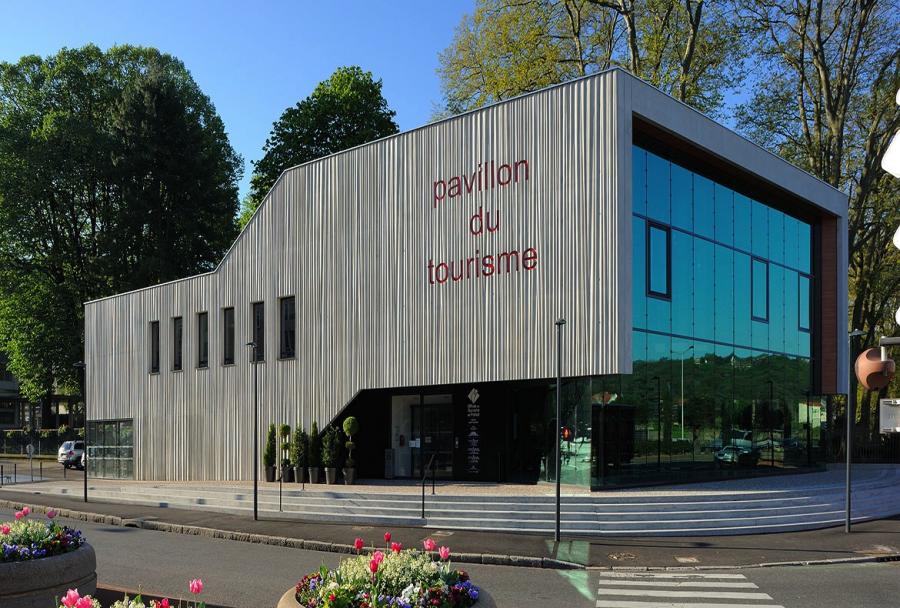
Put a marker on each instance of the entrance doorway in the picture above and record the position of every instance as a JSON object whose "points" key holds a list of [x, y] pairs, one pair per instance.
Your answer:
{"points": [[432, 434]]}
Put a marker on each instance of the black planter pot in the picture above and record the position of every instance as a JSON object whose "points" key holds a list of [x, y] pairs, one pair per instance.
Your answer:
{"points": [[349, 476], [331, 475], [314, 473], [270, 474], [299, 473], [287, 474]]}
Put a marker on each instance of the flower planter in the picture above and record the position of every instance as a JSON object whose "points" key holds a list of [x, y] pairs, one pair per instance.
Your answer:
{"points": [[349, 476], [314, 473], [331, 475], [40, 583], [289, 599], [270, 474], [287, 474], [299, 473]]}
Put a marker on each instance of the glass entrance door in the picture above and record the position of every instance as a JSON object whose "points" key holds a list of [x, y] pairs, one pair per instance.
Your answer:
{"points": [[432, 433]]}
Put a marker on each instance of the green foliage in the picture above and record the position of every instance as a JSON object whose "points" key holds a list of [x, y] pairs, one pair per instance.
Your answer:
{"points": [[115, 173], [284, 431], [269, 451], [300, 447], [344, 111], [315, 446], [504, 48], [351, 426], [331, 446]]}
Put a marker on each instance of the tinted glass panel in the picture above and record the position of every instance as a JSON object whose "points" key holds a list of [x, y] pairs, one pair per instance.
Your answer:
{"points": [[704, 219], [639, 181], [176, 344], [776, 236], [804, 302], [803, 246], [154, 347], [759, 230], [724, 215], [682, 283], [682, 198], [658, 188], [742, 223], [704, 289], [288, 330], [227, 336], [724, 290], [202, 340], [760, 289], [659, 261], [258, 321], [639, 268], [741, 299]]}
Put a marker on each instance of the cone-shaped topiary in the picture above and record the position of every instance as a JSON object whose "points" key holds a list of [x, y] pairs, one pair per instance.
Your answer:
{"points": [[315, 446], [269, 452], [300, 448]]}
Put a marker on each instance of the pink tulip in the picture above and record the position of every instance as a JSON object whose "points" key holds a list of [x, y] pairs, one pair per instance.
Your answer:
{"points": [[429, 544], [396, 547], [71, 598], [85, 602], [373, 565], [164, 603], [19, 515], [51, 514], [378, 557], [26, 511], [444, 552], [196, 586], [358, 543], [387, 537], [4, 529]]}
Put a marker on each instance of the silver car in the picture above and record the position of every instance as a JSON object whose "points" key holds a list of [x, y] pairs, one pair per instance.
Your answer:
{"points": [[70, 453]]}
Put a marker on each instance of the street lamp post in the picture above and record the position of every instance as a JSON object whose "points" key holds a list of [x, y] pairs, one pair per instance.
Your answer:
{"points": [[559, 326], [851, 402], [681, 356], [255, 435], [80, 366]]}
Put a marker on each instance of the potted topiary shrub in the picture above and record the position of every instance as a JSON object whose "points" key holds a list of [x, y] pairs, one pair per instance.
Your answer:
{"points": [[351, 428], [314, 455], [287, 471], [299, 451], [331, 449], [269, 454]]}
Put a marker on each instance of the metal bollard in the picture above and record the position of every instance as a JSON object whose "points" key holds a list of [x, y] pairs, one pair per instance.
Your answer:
{"points": [[1, 475]]}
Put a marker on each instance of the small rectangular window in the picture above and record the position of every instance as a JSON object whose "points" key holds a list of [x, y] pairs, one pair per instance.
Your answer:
{"points": [[202, 340], [154, 347], [176, 344], [759, 290], [258, 321], [803, 302], [659, 267], [228, 336], [288, 328]]}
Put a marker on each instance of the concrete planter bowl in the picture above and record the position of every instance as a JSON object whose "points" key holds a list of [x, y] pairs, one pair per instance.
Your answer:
{"points": [[41, 582], [289, 599]]}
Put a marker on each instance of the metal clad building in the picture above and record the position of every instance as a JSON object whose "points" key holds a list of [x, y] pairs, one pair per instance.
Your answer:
{"points": [[440, 257]]}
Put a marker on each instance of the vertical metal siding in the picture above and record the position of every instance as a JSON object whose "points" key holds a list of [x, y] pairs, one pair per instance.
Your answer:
{"points": [[349, 235]]}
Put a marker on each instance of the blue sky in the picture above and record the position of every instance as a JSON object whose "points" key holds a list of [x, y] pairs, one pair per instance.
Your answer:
{"points": [[256, 59]]}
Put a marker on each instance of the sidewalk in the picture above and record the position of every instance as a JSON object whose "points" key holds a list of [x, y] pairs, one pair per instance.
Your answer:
{"points": [[875, 539]]}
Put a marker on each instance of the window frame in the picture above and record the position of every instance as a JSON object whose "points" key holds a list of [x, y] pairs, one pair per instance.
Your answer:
{"points": [[667, 230], [753, 316], [809, 315], [154, 347], [177, 344], [258, 338], [202, 336], [282, 354], [226, 360]]}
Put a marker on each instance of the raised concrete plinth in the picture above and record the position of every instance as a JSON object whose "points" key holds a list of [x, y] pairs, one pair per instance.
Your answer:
{"points": [[41, 583]]}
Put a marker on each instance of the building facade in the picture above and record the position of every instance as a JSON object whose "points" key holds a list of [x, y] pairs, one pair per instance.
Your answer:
{"points": [[414, 282]]}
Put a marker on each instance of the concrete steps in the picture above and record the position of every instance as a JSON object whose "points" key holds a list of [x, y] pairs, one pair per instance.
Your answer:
{"points": [[689, 511]]}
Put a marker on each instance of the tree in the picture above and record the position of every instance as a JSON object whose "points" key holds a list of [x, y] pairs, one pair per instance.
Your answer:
{"points": [[829, 71], [115, 173], [344, 111], [689, 49]]}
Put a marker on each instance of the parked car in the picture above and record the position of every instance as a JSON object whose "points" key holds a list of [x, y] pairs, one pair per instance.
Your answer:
{"points": [[735, 455], [70, 454]]}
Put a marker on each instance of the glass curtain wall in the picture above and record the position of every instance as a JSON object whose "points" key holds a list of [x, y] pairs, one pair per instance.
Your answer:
{"points": [[721, 340]]}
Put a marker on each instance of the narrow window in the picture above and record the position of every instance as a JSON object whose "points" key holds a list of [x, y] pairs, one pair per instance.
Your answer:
{"points": [[759, 285], [154, 347], [228, 336], [259, 324], [659, 267], [803, 302], [176, 344], [202, 340], [288, 328]]}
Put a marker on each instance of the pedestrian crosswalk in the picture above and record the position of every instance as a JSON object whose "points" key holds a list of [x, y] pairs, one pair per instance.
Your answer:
{"points": [[679, 590]]}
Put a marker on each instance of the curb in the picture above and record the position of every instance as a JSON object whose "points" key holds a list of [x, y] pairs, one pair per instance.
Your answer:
{"points": [[283, 541]]}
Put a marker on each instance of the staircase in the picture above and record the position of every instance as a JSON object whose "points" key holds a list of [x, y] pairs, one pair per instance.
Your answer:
{"points": [[799, 502]]}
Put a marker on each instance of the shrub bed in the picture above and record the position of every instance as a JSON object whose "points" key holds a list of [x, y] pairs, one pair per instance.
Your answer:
{"points": [[394, 578], [26, 539]]}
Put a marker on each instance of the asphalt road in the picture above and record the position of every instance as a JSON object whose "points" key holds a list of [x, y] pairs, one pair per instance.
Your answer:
{"points": [[246, 574]]}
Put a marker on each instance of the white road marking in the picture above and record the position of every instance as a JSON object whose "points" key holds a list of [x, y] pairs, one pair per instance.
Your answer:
{"points": [[621, 604], [678, 583], [663, 575], [706, 595]]}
